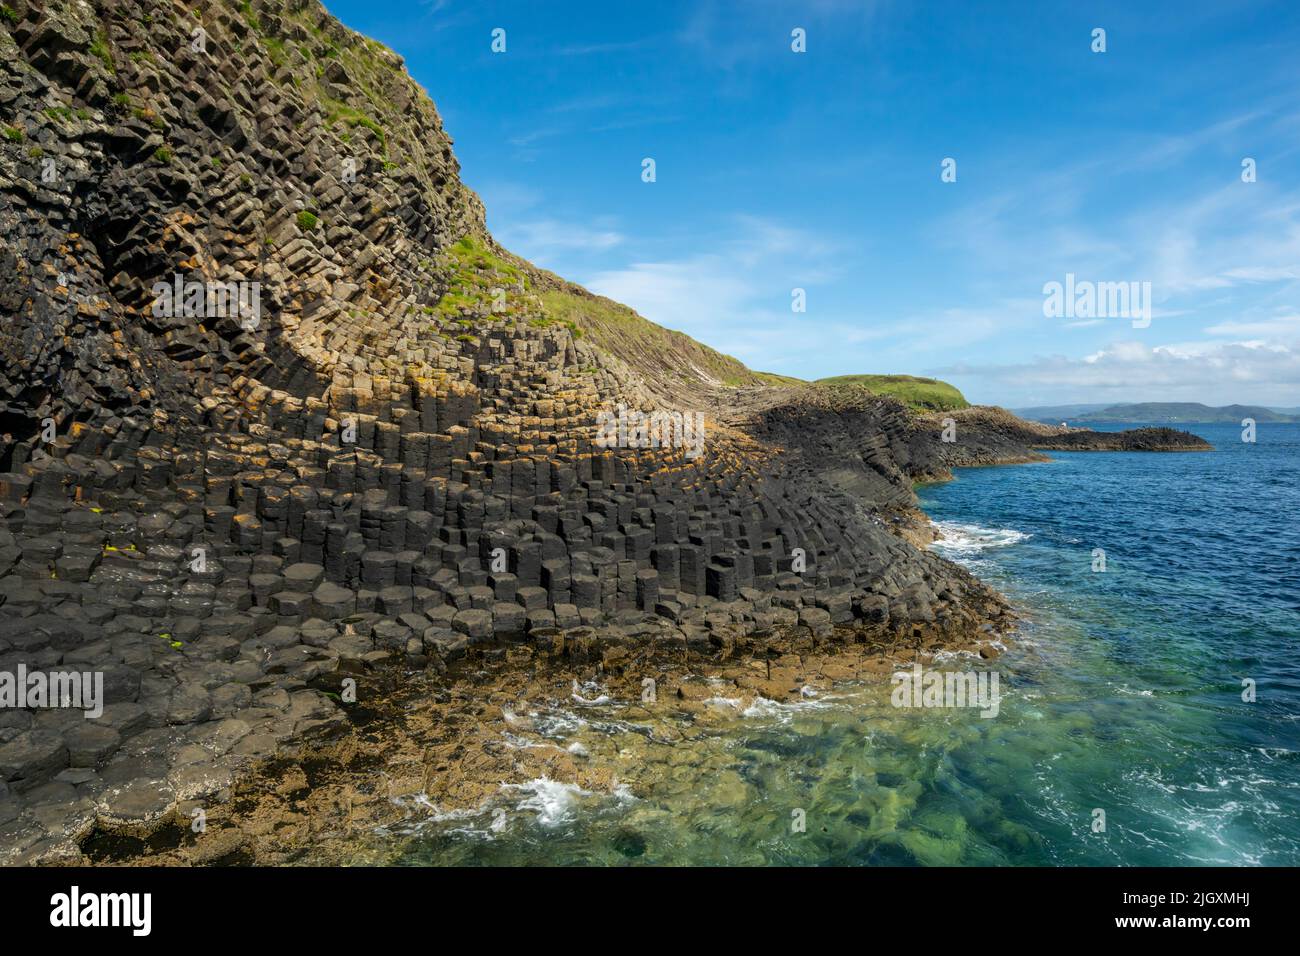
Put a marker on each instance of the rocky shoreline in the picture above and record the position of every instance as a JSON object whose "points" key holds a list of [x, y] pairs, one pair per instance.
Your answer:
{"points": [[238, 750], [137, 773], [395, 462], [196, 705], [419, 747]]}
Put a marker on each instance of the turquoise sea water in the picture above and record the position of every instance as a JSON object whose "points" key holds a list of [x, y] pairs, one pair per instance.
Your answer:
{"points": [[1122, 693]]}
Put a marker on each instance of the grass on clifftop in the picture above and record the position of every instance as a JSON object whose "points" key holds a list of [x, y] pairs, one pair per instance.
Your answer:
{"points": [[618, 329], [921, 394], [480, 284], [483, 286], [475, 273]]}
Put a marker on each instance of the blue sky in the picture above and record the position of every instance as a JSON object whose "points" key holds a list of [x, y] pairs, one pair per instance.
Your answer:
{"points": [[821, 170]]}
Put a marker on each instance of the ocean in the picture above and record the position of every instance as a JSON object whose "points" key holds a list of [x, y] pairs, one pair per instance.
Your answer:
{"points": [[1149, 712]]}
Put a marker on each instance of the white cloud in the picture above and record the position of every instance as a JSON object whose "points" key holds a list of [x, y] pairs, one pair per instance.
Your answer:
{"points": [[742, 287], [685, 292], [1212, 372], [541, 240], [588, 49], [1281, 326], [508, 200], [1198, 239]]}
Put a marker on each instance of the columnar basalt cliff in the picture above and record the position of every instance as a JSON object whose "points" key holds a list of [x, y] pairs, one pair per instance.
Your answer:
{"points": [[371, 434]]}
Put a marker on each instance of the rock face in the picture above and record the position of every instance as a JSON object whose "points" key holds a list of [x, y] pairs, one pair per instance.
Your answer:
{"points": [[274, 404]]}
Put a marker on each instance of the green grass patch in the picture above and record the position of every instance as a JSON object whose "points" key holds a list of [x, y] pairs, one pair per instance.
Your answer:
{"points": [[99, 48], [772, 378], [353, 117], [163, 154], [921, 394], [307, 221], [546, 321], [472, 256], [147, 115], [246, 11], [451, 305], [474, 274], [14, 134], [275, 49], [637, 340]]}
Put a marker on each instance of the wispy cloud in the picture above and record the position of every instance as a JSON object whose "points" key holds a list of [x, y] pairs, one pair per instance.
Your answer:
{"points": [[1281, 327], [1194, 371], [543, 240], [728, 41], [737, 296], [616, 46]]}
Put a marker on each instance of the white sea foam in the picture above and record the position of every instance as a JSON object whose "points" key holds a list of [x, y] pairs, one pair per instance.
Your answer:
{"points": [[589, 687], [551, 800], [515, 742], [731, 702], [550, 803], [554, 802], [559, 724], [514, 720], [968, 540], [1272, 753], [762, 707], [424, 814]]}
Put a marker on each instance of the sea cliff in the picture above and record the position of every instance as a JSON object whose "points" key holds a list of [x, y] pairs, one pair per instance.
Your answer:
{"points": [[362, 447]]}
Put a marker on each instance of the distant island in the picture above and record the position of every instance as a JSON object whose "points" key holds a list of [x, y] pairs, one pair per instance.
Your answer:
{"points": [[1184, 412]]}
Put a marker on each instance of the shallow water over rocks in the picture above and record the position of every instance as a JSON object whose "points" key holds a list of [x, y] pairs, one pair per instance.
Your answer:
{"points": [[1121, 693]]}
